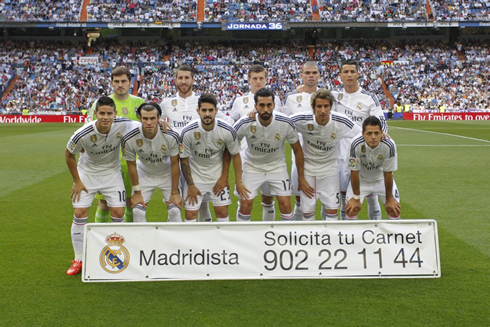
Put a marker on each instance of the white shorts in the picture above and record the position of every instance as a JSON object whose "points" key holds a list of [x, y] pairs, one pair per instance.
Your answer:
{"points": [[326, 190], [224, 199], [373, 188], [279, 183], [111, 186], [344, 175], [149, 184]]}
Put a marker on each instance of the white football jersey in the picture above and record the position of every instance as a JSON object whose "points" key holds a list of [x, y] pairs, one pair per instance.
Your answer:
{"points": [[205, 149], [244, 104], [101, 151], [358, 106], [371, 163], [153, 155], [297, 103], [265, 144], [320, 142], [181, 111]]}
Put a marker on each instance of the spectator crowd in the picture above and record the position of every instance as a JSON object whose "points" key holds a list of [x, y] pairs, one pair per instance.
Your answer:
{"points": [[424, 75], [245, 10]]}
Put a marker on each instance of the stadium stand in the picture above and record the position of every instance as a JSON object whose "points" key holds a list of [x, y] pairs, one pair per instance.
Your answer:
{"points": [[423, 75]]}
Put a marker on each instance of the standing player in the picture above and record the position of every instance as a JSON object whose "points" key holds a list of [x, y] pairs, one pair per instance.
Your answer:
{"points": [[98, 170], [181, 108], [242, 106], [357, 104], [126, 105], [297, 102], [264, 160], [157, 165], [372, 161], [322, 130], [203, 145]]}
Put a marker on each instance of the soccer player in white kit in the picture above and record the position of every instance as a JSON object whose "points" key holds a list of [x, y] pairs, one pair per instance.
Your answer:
{"points": [[242, 106], [372, 161], [157, 164], [322, 130], [98, 170], [203, 145], [357, 104], [297, 102], [264, 160], [181, 108]]}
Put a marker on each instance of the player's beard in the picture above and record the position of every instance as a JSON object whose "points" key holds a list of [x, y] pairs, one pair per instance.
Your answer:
{"points": [[184, 89], [265, 116], [211, 122]]}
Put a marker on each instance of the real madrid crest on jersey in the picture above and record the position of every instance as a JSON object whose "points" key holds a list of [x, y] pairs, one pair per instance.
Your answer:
{"points": [[139, 142], [380, 157], [220, 141], [311, 127], [119, 135], [93, 138], [340, 97], [174, 102], [333, 136], [197, 135], [253, 129], [164, 148], [245, 100], [299, 98], [363, 148], [277, 137], [114, 257], [125, 110], [359, 106]]}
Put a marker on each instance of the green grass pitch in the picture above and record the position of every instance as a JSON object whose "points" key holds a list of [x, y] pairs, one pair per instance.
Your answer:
{"points": [[443, 174]]}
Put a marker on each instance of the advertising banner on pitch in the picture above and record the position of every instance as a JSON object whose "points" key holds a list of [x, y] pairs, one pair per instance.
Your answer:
{"points": [[261, 250]]}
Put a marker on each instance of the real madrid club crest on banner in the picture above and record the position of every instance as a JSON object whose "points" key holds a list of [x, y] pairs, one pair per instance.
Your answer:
{"points": [[114, 258]]}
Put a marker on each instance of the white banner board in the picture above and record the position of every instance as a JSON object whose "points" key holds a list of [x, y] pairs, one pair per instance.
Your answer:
{"points": [[261, 250]]}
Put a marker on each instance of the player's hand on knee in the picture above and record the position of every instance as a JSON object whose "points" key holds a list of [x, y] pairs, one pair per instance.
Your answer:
{"points": [[137, 199], [393, 207], [175, 199], [243, 191], [353, 207], [192, 194], [76, 191], [305, 187]]}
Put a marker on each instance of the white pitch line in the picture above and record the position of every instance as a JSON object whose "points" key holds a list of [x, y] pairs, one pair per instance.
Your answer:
{"points": [[447, 134], [444, 145]]}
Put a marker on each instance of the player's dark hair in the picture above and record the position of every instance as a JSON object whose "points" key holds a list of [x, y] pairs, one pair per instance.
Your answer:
{"points": [[263, 92], [371, 121], [149, 106], [184, 68], [207, 98], [105, 101], [350, 62], [257, 69], [118, 71], [321, 94]]}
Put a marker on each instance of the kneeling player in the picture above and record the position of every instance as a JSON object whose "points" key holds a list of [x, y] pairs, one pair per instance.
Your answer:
{"points": [[372, 162], [157, 165], [98, 170]]}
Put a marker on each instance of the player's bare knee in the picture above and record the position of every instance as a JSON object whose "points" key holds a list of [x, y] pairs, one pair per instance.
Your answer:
{"points": [[191, 214], [267, 199], [81, 212], [117, 212], [221, 212]]}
